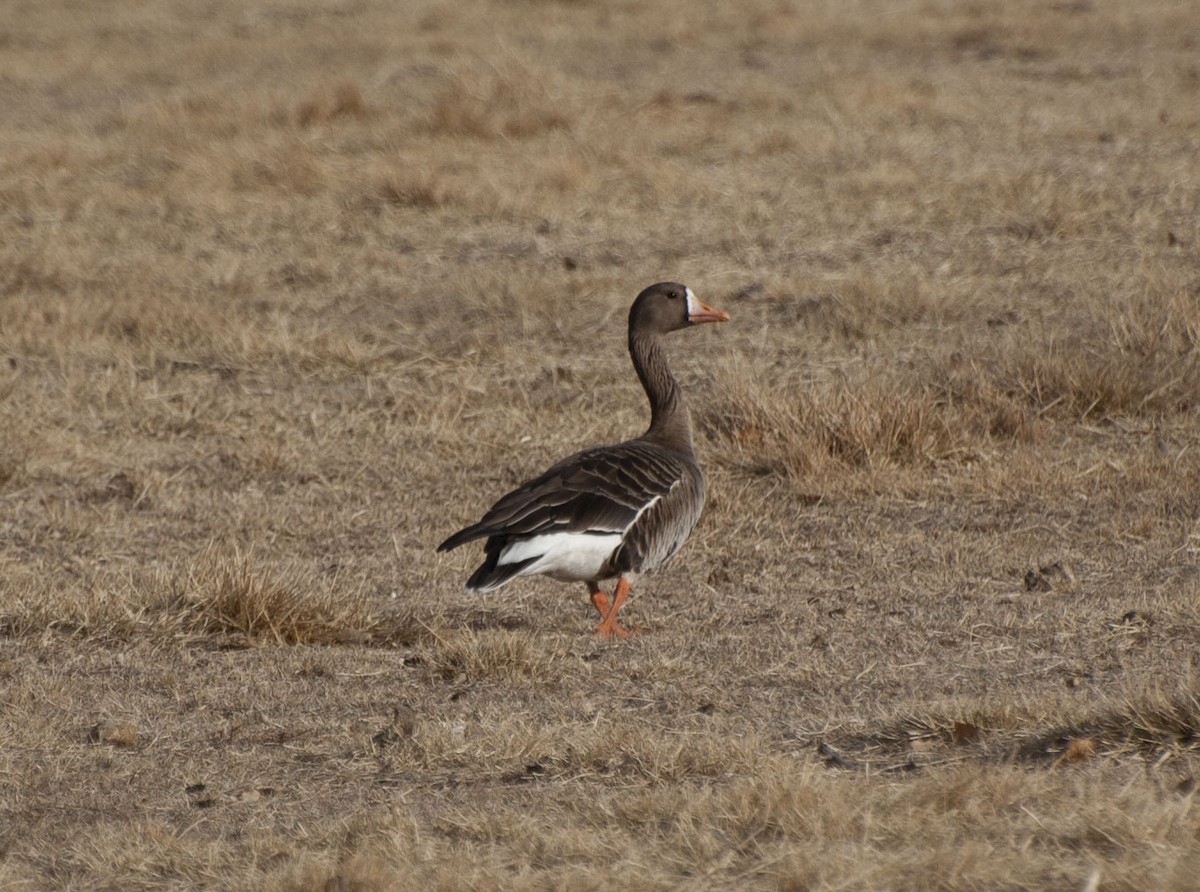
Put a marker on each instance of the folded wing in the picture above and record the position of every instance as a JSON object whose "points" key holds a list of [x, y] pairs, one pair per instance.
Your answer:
{"points": [[570, 521]]}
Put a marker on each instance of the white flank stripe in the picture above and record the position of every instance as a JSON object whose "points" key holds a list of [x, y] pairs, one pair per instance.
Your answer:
{"points": [[572, 557], [650, 504]]}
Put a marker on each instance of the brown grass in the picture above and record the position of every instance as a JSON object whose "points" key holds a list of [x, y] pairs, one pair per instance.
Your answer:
{"points": [[288, 293], [237, 598]]}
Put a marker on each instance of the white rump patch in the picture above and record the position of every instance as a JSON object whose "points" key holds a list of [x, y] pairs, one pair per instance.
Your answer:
{"points": [[693, 305], [570, 557]]}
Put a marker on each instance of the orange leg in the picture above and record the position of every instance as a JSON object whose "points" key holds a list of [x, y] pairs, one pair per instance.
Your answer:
{"points": [[608, 626], [599, 599]]}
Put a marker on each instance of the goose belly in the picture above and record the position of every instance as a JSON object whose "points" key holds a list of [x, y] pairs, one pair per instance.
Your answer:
{"points": [[570, 557]]}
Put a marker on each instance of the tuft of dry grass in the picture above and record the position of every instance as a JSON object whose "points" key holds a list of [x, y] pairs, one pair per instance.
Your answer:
{"points": [[344, 100], [869, 426], [496, 656], [241, 597], [514, 104], [411, 191], [1139, 359]]}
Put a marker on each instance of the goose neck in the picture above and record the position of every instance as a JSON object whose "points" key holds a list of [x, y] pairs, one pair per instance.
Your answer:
{"points": [[669, 422]]}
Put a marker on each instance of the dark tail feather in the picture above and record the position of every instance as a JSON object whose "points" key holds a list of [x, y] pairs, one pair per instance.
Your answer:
{"points": [[475, 531], [490, 575]]}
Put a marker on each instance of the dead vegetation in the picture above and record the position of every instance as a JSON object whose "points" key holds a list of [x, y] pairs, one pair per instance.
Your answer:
{"points": [[288, 293], [233, 597]]}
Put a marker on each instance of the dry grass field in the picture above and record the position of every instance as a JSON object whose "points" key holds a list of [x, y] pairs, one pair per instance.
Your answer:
{"points": [[290, 291]]}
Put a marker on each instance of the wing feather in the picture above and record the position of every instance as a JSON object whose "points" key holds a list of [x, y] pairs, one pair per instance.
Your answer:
{"points": [[599, 490]]}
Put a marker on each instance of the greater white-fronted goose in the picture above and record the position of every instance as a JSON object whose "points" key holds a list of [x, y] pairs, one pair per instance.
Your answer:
{"points": [[614, 510]]}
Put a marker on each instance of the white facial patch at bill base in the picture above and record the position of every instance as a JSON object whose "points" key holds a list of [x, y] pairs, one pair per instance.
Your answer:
{"points": [[693, 305]]}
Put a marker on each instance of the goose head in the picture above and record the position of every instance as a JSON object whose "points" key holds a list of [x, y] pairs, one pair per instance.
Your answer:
{"points": [[669, 306]]}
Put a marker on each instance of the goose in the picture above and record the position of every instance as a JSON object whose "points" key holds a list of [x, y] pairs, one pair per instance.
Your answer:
{"points": [[609, 511]]}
